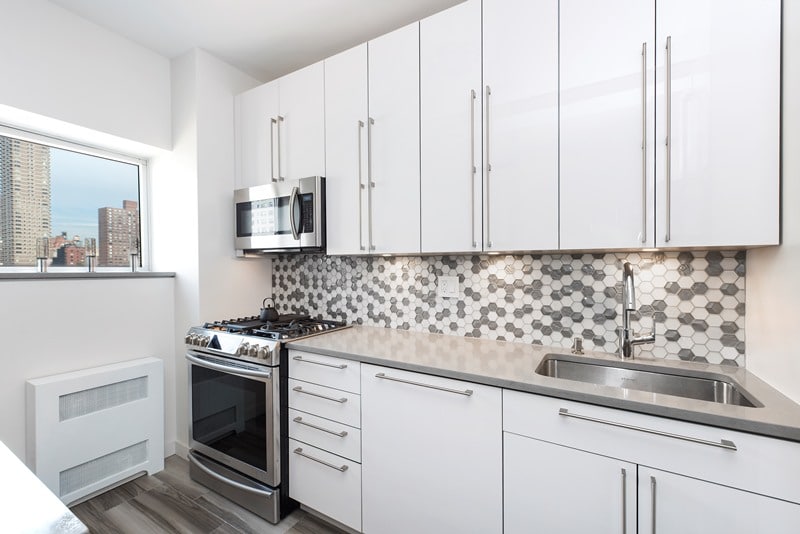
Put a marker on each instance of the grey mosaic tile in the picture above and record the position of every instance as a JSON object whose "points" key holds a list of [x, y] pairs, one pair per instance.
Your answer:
{"points": [[696, 300]]}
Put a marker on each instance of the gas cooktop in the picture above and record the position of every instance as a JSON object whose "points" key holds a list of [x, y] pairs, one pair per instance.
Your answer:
{"points": [[254, 340]]}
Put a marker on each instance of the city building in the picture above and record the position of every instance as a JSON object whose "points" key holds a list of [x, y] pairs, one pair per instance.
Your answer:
{"points": [[24, 199], [70, 255], [117, 228]]}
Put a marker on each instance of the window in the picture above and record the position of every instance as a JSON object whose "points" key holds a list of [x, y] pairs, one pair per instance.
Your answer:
{"points": [[61, 202]]}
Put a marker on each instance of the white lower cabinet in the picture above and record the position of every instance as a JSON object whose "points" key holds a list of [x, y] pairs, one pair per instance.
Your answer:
{"points": [[674, 503], [431, 454], [325, 436], [572, 467], [550, 488]]}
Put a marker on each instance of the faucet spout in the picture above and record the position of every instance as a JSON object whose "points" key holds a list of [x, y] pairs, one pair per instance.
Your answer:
{"points": [[627, 339]]}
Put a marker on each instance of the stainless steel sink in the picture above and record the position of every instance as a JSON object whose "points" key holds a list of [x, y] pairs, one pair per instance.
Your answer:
{"points": [[697, 385]]}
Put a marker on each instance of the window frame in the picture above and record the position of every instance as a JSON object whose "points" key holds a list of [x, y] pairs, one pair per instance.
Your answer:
{"points": [[90, 150]]}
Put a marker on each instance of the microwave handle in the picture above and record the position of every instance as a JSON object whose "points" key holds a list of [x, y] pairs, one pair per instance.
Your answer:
{"points": [[292, 200]]}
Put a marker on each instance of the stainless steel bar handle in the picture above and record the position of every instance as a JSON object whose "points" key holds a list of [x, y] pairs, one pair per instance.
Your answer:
{"points": [[226, 368], [299, 451], [239, 485], [624, 502], [722, 444], [472, 164], [292, 223], [466, 392], [360, 190], [334, 365], [299, 420], [488, 169], [272, 123], [653, 505], [280, 120], [371, 183], [668, 141], [299, 389], [644, 142]]}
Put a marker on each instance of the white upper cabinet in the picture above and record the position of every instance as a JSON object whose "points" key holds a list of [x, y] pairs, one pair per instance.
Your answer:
{"points": [[255, 113], [520, 99], [607, 103], [346, 112], [451, 126], [393, 143], [301, 124], [718, 103], [280, 129]]}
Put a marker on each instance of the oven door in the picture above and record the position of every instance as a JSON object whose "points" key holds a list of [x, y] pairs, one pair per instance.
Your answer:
{"points": [[233, 415], [281, 216]]}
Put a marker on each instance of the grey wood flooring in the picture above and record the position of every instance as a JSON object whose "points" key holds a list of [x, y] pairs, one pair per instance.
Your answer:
{"points": [[170, 502]]}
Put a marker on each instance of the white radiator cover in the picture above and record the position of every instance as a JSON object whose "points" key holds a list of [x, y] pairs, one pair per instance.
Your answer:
{"points": [[88, 429]]}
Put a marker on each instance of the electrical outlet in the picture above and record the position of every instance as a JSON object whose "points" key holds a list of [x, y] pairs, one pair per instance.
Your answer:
{"points": [[448, 287]]}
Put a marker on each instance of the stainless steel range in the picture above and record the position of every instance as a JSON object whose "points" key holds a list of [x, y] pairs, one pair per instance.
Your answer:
{"points": [[238, 421]]}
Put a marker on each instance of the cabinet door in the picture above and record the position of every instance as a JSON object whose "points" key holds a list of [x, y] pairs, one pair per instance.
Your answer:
{"points": [[520, 72], [346, 151], [450, 129], [718, 179], [674, 503], [302, 123], [255, 111], [431, 458], [550, 488], [393, 130], [607, 99]]}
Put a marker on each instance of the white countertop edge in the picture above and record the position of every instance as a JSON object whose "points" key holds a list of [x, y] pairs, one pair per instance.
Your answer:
{"points": [[778, 418]]}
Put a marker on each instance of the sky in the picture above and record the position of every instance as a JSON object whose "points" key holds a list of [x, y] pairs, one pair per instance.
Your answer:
{"points": [[80, 184]]}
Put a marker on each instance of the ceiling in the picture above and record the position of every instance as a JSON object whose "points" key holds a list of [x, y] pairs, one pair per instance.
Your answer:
{"points": [[264, 38]]}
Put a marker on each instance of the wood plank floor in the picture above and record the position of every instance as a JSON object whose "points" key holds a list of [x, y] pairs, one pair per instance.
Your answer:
{"points": [[170, 502]]}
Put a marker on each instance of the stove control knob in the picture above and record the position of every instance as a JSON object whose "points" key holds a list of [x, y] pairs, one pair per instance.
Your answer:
{"points": [[204, 341], [262, 353], [189, 339], [243, 349], [253, 351]]}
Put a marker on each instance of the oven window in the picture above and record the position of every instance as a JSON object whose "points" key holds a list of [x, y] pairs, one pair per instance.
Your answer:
{"points": [[229, 415]]}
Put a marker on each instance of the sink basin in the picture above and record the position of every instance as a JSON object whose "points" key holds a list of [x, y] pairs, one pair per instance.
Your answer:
{"points": [[698, 385]]}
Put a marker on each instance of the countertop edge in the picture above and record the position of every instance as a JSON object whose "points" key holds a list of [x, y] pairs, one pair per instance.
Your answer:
{"points": [[766, 429]]}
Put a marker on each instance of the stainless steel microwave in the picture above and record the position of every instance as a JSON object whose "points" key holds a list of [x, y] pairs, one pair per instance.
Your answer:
{"points": [[281, 217]]}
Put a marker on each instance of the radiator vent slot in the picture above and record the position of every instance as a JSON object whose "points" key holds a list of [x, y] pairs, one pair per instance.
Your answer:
{"points": [[94, 471], [101, 398]]}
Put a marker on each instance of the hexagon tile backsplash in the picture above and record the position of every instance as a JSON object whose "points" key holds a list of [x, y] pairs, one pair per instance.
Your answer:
{"points": [[695, 299]]}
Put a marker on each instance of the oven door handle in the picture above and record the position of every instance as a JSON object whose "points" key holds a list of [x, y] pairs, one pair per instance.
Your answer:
{"points": [[228, 369]]}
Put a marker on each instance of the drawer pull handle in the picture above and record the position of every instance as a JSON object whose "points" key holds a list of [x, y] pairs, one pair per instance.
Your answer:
{"points": [[334, 365], [334, 399], [299, 420], [722, 444], [299, 451], [624, 502], [466, 392]]}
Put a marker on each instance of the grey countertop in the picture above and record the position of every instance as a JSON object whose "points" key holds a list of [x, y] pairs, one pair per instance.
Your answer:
{"points": [[511, 365], [27, 505]]}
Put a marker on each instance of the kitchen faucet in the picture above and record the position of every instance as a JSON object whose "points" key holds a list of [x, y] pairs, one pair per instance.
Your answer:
{"points": [[627, 340]]}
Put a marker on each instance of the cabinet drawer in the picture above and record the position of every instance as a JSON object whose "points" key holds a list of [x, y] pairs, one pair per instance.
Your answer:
{"points": [[329, 435], [325, 370], [329, 403], [758, 464], [332, 488]]}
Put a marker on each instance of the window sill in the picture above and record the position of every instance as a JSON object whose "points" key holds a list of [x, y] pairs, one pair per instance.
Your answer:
{"points": [[85, 275]]}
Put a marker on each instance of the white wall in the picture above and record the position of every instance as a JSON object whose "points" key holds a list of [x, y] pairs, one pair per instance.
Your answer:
{"points": [[773, 274], [193, 209], [54, 326], [60, 66]]}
